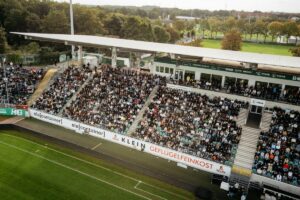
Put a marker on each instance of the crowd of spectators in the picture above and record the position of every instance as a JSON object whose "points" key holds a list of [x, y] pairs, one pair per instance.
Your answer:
{"points": [[278, 150], [268, 92], [113, 98], [21, 83], [192, 123], [63, 88]]}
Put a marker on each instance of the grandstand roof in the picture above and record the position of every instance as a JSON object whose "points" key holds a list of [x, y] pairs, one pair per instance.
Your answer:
{"points": [[97, 41]]}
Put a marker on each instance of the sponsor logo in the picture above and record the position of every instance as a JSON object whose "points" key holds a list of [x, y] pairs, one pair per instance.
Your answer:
{"points": [[134, 143], [221, 170], [181, 157], [115, 137], [47, 117], [86, 129]]}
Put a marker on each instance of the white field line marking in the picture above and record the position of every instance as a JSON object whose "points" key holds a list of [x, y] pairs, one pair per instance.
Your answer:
{"points": [[72, 169], [95, 165], [96, 146], [137, 184], [18, 120], [70, 156], [178, 195], [136, 187]]}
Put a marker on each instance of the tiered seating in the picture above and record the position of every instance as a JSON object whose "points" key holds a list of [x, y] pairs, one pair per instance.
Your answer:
{"points": [[192, 123], [112, 99], [278, 150], [63, 88], [21, 84], [272, 93]]}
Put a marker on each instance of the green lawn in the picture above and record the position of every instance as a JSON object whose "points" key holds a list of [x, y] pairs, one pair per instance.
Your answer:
{"points": [[35, 170], [253, 47]]}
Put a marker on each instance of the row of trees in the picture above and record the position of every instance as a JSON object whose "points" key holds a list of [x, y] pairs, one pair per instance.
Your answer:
{"points": [[249, 28], [232, 40], [154, 12], [52, 17]]}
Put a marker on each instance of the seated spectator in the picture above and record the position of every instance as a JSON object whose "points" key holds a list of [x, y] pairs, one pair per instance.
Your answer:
{"points": [[112, 99], [277, 155], [63, 88], [269, 92], [21, 83], [192, 123]]}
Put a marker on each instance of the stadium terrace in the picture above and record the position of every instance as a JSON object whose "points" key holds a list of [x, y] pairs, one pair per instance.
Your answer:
{"points": [[228, 113]]}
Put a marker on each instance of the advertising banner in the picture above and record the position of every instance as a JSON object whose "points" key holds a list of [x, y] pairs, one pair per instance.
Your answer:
{"points": [[258, 102], [147, 147], [14, 112]]}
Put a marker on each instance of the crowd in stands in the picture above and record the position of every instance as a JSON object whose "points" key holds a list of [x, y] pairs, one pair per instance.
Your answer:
{"points": [[63, 88], [21, 83], [192, 123], [270, 92], [278, 150], [113, 98]]}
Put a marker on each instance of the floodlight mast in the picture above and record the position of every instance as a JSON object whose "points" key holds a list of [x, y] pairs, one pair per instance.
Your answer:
{"points": [[5, 80], [72, 27]]}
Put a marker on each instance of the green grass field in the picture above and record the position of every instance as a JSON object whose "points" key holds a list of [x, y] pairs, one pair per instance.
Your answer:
{"points": [[253, 47], [31, 169]]}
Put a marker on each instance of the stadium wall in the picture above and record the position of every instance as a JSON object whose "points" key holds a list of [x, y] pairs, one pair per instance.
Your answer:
{"points": [[179, 157]]}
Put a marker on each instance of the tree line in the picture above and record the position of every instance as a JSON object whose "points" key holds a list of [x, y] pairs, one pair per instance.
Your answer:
{"points": [[145, 23], [45, 16]]}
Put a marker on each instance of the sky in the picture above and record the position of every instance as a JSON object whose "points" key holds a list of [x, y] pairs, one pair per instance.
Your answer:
{"points": [[246, 5]]}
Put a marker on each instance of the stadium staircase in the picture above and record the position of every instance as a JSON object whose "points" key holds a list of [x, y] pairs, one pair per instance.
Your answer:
{"points": [[247, 147], [139, 117], [49, 78], [266, 121], [45, 82], [244, 158], [75, 94], [241, 120]]}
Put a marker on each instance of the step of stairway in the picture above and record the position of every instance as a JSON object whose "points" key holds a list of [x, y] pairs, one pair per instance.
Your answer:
{"points": [[246, 141], [246, 129], [242, 164], [248, 159], [250, 145], [245, 155], [250, 137], [246, 149]]}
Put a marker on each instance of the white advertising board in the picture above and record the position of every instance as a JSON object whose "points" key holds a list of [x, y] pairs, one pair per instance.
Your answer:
{"points": [[258, 102], [147, 147]]}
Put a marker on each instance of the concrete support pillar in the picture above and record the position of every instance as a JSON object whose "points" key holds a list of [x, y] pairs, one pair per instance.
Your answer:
{"points": [[197, 75], [282, 89], [172, 56], [114, 57], [131, 61], [138, 59], [223, 82], [251, 82], [80, 54], [152, 58]]}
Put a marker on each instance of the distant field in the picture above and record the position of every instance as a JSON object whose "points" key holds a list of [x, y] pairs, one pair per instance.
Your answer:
{"points": [[34, 170], [253, 47]]}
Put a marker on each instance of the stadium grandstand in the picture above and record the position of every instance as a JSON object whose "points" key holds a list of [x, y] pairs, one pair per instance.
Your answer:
{"points": [[232, 114]]}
